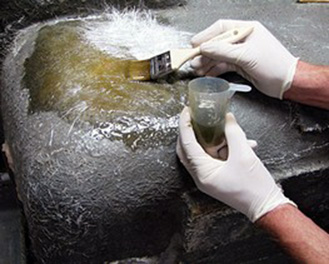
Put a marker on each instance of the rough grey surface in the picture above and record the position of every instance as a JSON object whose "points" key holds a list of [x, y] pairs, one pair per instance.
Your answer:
{"points": [[18, 14], [148, 200], [302, 28], [87, 200], [11, 229]]}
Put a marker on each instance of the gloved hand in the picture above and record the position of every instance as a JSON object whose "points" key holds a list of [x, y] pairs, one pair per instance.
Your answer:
{"points": [[260, 57], [241, 181]]}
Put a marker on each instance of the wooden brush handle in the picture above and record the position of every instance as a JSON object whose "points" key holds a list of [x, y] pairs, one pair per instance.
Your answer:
{"points": [[180, 56], [233, 35]]}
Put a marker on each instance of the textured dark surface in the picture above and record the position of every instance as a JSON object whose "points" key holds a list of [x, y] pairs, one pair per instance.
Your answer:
{"points": [[2, 139], [11, 229], [18, 14], [312, 119], [216, 235], [88, 202]]}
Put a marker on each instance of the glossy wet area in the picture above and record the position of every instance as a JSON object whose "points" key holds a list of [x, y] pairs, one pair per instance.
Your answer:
{"points": [[87, 87]]}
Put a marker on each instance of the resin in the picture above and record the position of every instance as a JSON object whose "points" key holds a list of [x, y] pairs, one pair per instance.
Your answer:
{"points": [[85, 85]]}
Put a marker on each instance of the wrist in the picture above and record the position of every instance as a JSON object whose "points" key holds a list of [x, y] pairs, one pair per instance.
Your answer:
{"points": [[279, 211], [274, 199], [310, 85], [297, 234]]}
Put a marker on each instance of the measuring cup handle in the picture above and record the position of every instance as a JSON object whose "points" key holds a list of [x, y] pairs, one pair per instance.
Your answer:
{"points": [[239, 87]]}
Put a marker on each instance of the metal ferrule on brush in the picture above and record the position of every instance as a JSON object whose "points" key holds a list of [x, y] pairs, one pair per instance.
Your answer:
{"points": [[160, 65]]}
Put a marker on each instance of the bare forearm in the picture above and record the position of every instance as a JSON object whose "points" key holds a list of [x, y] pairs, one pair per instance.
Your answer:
{"points": [[310, 85], [297, 234]]}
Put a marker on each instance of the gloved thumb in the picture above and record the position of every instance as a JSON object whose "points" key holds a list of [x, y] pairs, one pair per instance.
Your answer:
{"points": [[223, 51]]}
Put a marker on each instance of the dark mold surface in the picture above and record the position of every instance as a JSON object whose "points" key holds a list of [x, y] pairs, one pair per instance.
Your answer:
{"points": [[85, 199], [89, 201]]}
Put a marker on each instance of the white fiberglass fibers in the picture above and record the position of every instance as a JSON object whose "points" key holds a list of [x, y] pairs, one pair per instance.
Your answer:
{"points": [[134, 34]]}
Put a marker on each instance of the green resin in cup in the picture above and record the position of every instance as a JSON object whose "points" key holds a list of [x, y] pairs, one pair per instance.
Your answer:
{"points": [[209, 99]]}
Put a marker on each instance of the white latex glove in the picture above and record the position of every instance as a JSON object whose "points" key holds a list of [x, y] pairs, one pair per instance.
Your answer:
{"points": [[241, 181], [260, 57]]}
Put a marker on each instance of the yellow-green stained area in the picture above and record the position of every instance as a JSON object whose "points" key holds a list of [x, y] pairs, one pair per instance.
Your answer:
{"points": [[67, 75]]}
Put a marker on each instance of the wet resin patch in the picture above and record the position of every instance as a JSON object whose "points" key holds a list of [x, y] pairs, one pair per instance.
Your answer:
{"points": [[71, 76]]}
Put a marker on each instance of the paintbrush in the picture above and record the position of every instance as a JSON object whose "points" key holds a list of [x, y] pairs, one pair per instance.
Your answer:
{"points": [[167, 62]]}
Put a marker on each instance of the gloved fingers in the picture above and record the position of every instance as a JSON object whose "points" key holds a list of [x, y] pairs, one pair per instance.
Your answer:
{"points": [[188, 148], [183, 157], [220, 68], [203, 65], [214, 151], [224, 52], [231, 23], [200, 62], [220, 26], [235, 137], [199, 167], [213, 69], [187, 137], [223, 151], [187, 162], [252, 143], [180, 152], [198, 163]]}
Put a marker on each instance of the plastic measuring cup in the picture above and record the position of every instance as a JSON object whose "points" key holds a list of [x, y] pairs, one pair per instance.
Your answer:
{"points": [[209, 99]]}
